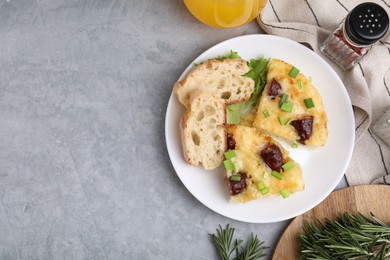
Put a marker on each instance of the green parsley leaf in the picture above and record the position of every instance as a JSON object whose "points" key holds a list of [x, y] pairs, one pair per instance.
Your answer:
{"points": [[231, 55], [257, 72]]}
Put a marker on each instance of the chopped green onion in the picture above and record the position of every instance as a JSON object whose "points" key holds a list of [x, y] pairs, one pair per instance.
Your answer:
{"points": [[265, 113], [230, 154], [235, 170], [294, 145], [261, 185], [288, 166], [284, 193], [265, 190], [284, 99], [294, 72], [287, 106], [281, 120], [262, 188], [300, 84], [265, 175], [288, 121], [277, 174], [235, 177], [309, 102], [229, 165]]}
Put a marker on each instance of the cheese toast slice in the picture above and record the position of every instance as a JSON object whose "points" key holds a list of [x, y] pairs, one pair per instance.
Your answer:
{"points": [[259, 166], [222, 78], [203, 130], [290, 107]]}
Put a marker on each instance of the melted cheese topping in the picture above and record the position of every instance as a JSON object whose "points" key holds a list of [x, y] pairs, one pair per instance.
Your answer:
{"points": [[249, 144], [279, 70]]}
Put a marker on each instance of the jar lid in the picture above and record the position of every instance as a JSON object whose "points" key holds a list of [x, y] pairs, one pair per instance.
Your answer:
{"points": [[367, 23]]}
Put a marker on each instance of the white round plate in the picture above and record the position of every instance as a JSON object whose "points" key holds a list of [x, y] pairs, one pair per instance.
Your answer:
{"points": [[322, 168]]}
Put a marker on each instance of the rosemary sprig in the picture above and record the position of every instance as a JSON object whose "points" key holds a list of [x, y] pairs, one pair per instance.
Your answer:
{"points": [[348, 237], [254, 249]]}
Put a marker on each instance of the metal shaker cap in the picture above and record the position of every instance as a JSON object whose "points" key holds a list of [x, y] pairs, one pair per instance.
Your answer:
{"points": [[367, 23]]}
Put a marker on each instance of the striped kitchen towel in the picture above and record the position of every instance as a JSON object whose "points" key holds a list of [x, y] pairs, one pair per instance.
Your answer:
{"points": [[368, 83]]}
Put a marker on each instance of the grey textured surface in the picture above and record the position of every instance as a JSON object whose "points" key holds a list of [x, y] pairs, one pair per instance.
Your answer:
{"points": [[84, 172]]}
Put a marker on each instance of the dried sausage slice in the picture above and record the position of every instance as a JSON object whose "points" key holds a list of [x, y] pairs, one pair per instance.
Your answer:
{"points": [[304, 128], [231, 143], [236, 187], [272, 156], [274, 89]]}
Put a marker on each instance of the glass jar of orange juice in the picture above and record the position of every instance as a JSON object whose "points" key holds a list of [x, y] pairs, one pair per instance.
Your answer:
{"points": [[225, 13]]}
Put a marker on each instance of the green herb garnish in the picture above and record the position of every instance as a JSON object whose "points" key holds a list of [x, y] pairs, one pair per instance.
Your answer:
{"points": [[287, 106], [288, 166], [283, 99], [230, 154], [277, 174], [347, 237], [294, 72], [257, 72], [300, 84], [223, 242], [260, 185], [281, 120], [309, 102], [235, 177], [229, 165], [265, 190], [285, 193], [266, 113], [231, 55], [262, 188], [294, 145]]}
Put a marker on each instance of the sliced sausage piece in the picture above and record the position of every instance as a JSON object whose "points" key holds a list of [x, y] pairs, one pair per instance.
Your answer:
{"points": [[275, 89], [304, 128], [236, 187], [272, 156], [231, 143]]}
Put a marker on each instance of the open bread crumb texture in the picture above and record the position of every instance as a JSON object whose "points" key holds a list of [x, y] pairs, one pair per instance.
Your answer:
{"points": [[207, 132], [224, 80], [228, 83]]}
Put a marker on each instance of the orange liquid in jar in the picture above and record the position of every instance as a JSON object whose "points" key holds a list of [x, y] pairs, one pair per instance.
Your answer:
{"points": [[225, 13]]}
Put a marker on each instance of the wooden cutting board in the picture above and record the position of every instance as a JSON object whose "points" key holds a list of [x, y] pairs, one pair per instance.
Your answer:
{"points": [[363, 199]]}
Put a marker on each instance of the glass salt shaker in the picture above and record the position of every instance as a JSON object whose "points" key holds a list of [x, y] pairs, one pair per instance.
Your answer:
{"points": [[366, 24]]}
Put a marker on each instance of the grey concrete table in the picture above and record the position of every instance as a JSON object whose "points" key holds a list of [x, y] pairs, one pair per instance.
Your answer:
{"points": [[84, 171]]}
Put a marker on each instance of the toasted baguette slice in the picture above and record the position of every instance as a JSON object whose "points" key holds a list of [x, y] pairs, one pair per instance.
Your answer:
{"points": [[224, 79], [252, 164], [314, 119], [203, 130]]}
